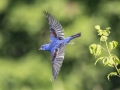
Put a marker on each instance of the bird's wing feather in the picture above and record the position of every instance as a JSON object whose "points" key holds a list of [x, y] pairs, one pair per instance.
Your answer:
{"points": [[57, 59], [55, 27]]}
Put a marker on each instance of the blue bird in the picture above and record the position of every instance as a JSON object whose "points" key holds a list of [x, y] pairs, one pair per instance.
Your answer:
{"points": [[57, 43]]}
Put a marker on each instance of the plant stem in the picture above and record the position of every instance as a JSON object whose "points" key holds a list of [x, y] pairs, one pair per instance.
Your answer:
{"points": [[104, 49], [110, 55], [117, 70], [118, 75], [107, 48]]}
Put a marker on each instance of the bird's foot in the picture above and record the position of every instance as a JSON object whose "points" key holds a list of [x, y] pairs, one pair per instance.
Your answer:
{"points": [[71, 43], [52, 79]]}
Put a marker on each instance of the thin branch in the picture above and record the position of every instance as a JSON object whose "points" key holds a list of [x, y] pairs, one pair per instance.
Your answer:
{"points": [[117, 70], [107, 48], [104, 49], [118, 75]]}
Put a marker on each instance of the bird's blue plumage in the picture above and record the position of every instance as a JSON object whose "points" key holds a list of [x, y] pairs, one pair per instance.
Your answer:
{"points": [[57, 44]]}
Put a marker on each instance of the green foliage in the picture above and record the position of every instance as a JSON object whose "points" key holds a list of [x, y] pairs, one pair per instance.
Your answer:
{"points": [[111, 74], [95, 49], [111, 60], [112, 45]]}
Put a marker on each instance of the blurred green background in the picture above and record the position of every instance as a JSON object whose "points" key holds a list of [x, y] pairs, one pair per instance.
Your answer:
{"points": [[24, 28]]}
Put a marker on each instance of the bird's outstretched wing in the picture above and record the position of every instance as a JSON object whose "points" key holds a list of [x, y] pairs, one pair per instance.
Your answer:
{"points": [[57, 59], [55, 27]]}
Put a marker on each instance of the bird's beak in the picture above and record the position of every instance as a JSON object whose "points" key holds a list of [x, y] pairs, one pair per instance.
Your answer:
{"points": [[40, 48]]}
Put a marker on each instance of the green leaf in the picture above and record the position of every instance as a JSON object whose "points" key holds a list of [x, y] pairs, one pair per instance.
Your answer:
{"points": [[95, 49], [100, 32], [97, 27], [111, 74], [108, 28], [92, 48], [112, 45], [111, 61], [108, 31], [103, 38], [101, 58], [98, 50], [108, 61], [115, 43], [116, 59], [105, 33], [105, 60]]}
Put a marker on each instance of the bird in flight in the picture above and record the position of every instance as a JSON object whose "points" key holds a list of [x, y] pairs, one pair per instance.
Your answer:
{"points": [[57, 43]]}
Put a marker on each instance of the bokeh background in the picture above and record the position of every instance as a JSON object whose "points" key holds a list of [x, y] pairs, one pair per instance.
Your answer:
{"points": [[23, 28]]}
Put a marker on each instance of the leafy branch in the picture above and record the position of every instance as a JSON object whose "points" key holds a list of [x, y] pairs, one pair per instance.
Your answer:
{"points": [[111, 60]]}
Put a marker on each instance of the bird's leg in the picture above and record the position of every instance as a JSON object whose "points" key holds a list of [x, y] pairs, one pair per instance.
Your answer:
{"points": [[71, 43], [52, 79]]}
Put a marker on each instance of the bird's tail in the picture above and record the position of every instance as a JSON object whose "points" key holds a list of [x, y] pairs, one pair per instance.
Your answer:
{"points": [[76, 35], [68, 39]]}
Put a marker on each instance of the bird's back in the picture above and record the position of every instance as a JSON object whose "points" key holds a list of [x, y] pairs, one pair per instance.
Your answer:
{"points": [[54, 44]]}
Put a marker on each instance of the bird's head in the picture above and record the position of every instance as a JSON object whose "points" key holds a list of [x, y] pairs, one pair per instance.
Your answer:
{"points": [[44, 47]]}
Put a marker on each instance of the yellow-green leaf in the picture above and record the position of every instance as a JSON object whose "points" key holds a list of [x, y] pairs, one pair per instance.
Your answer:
{"points": [[111, 74], [98, 50], [100, 32], [92, 48], [116, 59], [97, 27], [103, 38], [108, 28], [110, 45], [115, 43], [95, 49], [101, 58], [105, 33]]}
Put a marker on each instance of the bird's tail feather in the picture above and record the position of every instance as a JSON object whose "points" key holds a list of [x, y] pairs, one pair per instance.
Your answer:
{"points": [[76, 35], [67, 40]]}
